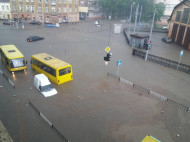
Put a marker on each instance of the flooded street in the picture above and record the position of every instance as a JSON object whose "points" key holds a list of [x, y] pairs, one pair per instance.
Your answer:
{"points": [[94, 107]]}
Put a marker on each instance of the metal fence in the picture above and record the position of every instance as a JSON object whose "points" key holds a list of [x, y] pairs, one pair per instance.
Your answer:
{"points": [[162, 61], [49, 123], [149, 92], [181, 106], [113, 76], [5, 76], [125, 34]]}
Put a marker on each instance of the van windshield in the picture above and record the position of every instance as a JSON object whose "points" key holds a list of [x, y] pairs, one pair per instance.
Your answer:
{"points": [[47, 88]]}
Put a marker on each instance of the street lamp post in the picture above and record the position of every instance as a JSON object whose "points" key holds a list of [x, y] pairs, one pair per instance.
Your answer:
{"points": [[139, 19], [150, 35], [110, 31], [136, 17], [130, 18]]}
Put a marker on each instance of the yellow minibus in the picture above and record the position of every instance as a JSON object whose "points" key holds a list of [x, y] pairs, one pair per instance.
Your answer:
{"points": [[55, 69], [12, 58]]}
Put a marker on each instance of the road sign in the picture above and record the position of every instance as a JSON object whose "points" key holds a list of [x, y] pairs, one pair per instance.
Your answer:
{"points": [[107, 49], [181, 53], [119, 62]]}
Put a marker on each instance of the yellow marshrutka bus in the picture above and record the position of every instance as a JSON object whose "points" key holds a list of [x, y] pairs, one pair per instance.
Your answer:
{"points": [[55, 69], [12, 58]]}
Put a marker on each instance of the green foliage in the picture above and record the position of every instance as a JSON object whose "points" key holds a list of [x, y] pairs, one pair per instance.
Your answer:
{"points": [[121, 8]]}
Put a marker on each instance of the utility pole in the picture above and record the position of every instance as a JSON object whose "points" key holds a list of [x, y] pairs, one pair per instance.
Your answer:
{"points": [[136, 17], [130, 19], [150, 36], [139, 19], [110, 30]]}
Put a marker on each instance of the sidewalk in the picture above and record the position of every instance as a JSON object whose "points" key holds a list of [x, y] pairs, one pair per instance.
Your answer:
{"points": [[4, 135]]}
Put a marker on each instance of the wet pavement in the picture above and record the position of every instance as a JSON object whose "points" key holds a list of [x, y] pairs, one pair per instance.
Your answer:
{"points": [[94, 107]]}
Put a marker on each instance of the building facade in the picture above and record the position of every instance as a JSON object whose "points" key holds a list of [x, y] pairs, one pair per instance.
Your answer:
{"points": [[94, 10], [47, 11], [90, 9], [169, 6], [83, 9], [179, 24], [5, 11]]}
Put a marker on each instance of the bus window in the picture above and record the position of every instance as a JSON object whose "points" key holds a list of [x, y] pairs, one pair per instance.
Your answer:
{"points": [[15, 63], [64, 71]]}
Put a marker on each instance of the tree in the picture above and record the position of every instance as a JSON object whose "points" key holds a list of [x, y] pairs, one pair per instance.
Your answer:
{"points": [[121, 8]]}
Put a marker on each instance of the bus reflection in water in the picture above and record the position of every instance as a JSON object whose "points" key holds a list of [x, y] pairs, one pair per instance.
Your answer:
{"points": [[55, 69]]}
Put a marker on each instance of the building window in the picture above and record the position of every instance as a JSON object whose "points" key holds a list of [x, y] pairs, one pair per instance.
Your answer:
{"points": [[28, 8], [2, 7], [47, 19], [27, 0], [32, 8], [53, 10], [64, 1], [40, 18], [39, 1], [32, 0], [64, 10], [76, 10], [7, 7], [47, 1], [39, 9], [185, 15], [20, 0], [76, 1], [70, 1], [70, 9], [59, 1], [14, 8], [178, 16], [47, 9], [59, 10], [21, 8]]}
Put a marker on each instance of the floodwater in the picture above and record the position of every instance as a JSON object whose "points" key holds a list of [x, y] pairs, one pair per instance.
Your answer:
{"points": [[94, 107]]}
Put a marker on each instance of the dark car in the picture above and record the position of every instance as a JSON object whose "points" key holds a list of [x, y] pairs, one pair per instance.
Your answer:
{"points": [[167, 40], [82, 18], [34, 38], [35, 23], [10, 22]]}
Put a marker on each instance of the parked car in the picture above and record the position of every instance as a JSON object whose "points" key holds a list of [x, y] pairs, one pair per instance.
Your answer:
{"points": [[10, 22], [35, 23], [42, 83], [34, 38], [81, 18], [50, 25], [167, 40], [165, 28]]}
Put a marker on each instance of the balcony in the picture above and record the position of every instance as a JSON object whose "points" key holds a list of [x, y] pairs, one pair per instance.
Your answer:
{"points": [[53, 3], [54, 13]]}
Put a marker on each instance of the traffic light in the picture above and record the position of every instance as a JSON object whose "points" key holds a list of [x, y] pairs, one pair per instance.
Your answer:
{"points": [[107, 58], [148, 46]]}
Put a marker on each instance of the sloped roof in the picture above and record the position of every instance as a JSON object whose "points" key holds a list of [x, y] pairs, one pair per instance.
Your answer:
{"points": [[183, 2]]}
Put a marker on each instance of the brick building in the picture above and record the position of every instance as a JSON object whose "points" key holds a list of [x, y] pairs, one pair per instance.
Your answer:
{"points": [[48, 11]]}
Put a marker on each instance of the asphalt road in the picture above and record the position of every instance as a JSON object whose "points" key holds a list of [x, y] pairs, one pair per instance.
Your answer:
{"points": [[94, 107]]}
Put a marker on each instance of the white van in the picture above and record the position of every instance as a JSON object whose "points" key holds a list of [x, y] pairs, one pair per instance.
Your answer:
{"points": [[42, 83]]}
